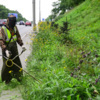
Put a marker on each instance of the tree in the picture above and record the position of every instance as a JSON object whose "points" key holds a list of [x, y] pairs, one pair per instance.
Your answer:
{"points": [[61, 6], [4, 13]]}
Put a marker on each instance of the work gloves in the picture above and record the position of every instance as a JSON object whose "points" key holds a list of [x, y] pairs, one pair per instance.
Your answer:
{"points": [[8, 53], [23, 48]]}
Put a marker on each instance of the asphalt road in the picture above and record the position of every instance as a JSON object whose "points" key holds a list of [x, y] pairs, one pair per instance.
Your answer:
{"points": [[24, 32]]}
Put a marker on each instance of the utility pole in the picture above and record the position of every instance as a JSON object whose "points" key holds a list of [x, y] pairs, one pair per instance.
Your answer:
{"points": [[34, 15], [39, 10]]}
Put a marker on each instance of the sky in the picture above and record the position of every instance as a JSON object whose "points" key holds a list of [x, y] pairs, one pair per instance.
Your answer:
{"points": [[25, 7]]}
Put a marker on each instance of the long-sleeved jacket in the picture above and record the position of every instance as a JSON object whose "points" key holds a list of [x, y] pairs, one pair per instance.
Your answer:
{"points": [[3, 37]]}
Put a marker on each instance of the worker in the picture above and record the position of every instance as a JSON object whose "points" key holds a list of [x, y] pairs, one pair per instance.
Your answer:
{"points": [[9, 37]]}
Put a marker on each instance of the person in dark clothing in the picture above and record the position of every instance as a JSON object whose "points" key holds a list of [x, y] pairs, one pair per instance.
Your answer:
{"points": [[9, 37]]}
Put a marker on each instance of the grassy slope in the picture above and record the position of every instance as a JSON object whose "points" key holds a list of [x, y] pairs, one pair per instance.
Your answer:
{"points": [[84, 23], [57, 65]]}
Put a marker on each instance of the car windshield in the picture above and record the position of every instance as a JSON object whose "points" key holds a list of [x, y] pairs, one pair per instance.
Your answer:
{"points": [[4, 20], [22, 21]]}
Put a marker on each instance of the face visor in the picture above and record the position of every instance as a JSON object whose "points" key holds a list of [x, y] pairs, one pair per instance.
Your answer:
{"points": [[12, 22]]}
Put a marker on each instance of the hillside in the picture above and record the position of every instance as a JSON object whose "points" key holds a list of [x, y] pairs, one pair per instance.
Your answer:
{"points": [[66, 64], [84, 23]]}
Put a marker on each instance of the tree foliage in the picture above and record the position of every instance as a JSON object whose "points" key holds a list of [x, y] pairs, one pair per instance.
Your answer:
{"points": [[68, 4], [61, 6], [4, 13]]}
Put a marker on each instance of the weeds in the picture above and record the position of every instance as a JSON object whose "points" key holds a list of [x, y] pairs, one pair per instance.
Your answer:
{"points": [[68, 71]]}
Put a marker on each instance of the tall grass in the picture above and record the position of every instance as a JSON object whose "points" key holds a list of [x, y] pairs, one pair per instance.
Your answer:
{"points": [[66, 72]]}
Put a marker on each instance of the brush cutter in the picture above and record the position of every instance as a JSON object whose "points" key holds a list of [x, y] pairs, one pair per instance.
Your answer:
{"points": [[10, 63]]}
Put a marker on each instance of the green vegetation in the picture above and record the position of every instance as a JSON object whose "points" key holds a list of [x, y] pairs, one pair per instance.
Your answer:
{"points": [[4, 13], [66, 63], [61, 6]]}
